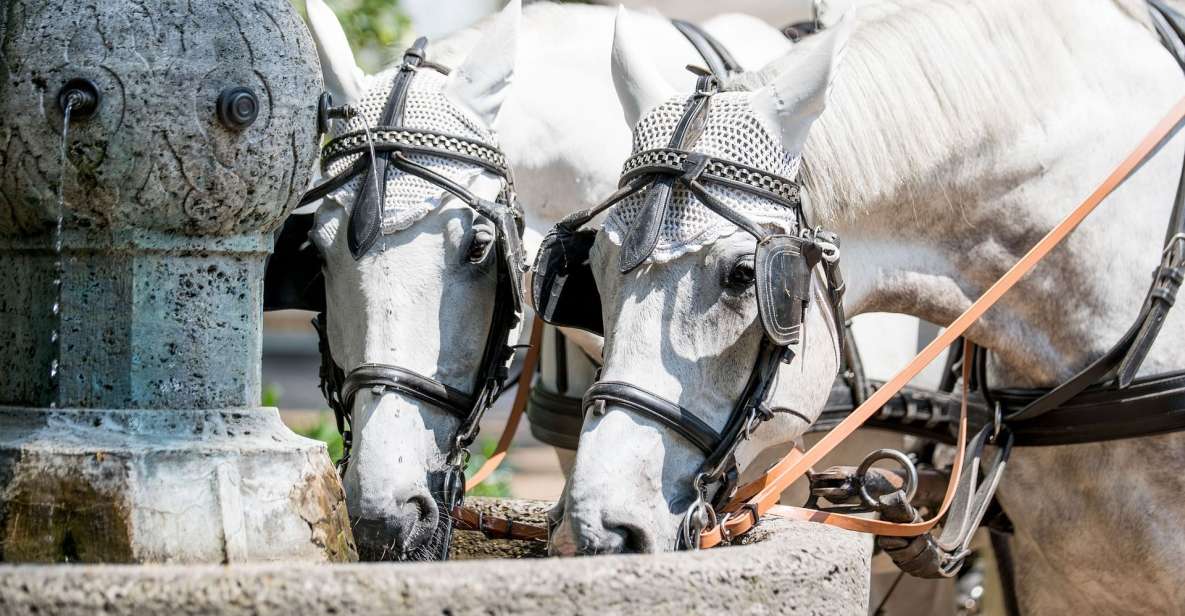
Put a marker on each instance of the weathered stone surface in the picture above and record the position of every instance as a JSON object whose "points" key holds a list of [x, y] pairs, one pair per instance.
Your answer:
{"points": [[159, 452], [84, 485], [789, 568], [155, 156], [168, 212]]}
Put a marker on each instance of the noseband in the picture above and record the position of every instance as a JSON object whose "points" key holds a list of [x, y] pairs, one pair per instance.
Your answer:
{"points": [[392, 143], [785, 265]]}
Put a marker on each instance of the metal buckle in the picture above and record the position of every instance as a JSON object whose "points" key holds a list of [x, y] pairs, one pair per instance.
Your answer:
{"points": [[707, 85], [997, 422], [699, 517], [1173, 255]]}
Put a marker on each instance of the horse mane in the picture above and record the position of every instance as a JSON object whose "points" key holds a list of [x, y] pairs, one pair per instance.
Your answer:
{"points": [[976, 73]]}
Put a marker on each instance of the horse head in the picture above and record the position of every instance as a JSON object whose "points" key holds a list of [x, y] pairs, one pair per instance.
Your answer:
{"points": [[716, 300]]}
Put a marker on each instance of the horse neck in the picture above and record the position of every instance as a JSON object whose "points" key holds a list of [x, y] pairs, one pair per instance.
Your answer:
{"points": [[958, 135], [562, 128]]}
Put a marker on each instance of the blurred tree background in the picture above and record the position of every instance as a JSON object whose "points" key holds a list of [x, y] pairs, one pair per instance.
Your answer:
{"points": [[377, 29]]}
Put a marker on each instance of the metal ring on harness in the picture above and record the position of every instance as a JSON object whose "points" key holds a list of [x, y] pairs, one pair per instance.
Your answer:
{"points": [[911, 475]]}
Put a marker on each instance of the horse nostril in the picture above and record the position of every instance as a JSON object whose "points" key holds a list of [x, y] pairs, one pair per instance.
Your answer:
{"points": [[424, 508], [610, 538], [627, 538]]}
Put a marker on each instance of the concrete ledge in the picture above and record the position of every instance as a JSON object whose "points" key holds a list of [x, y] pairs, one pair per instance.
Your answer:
{"points": [[786, 568]]}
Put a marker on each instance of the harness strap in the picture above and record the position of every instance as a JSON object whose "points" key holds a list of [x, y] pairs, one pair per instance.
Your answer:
{"points": [[366, 216], [746, 513], [683, 421], [530, 362], [719, 60], [407, 382], [415, 141]]}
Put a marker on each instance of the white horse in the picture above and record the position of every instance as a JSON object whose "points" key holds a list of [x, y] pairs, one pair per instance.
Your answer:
{"points": [[540, 83], [955, 135]]}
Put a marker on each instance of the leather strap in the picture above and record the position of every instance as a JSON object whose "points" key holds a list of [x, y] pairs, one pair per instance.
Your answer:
{"points": [[496, 527], [366, 217], [407, 382], [719, 60], [530, 362], [684, 422], [739, 516], [674, 161], [744, 514]]}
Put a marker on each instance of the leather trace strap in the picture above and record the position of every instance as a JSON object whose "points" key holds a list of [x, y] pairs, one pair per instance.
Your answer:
{"points": [[752, 502]]}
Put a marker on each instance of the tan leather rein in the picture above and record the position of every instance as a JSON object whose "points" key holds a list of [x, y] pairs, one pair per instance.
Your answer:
{"points": [[744, 510], [757, 498]]}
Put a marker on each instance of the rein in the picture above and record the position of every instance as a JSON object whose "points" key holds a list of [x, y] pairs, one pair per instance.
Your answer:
{"points": [[755, 499]]}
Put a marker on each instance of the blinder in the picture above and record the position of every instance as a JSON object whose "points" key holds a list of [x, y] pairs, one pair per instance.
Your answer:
{"points": [[563, 288], [785, 264], [293, 278]]}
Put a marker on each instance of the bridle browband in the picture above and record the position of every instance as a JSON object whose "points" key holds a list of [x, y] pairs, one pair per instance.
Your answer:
{"points": [[392, 143], [656, 173]]}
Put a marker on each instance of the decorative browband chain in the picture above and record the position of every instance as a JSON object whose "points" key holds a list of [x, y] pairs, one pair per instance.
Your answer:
{"points": [[387, 138], [671, 161]]}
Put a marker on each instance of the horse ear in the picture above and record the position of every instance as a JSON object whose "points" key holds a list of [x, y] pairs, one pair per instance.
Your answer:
{"points": [[343, 77], [482, 82], [797, 94], [640, 87]]}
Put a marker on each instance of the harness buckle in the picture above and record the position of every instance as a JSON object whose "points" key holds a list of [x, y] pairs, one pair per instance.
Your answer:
{"points": [[706, 85], [414, 55], [1175, 242]]}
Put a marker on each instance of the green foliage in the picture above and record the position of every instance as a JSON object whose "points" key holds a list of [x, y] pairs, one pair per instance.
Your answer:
{"points": [[271, 395], [325, 431], [497, 484], [376, 29]]}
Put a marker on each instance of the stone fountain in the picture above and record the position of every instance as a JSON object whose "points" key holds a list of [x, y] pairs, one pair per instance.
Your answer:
{"points": [[131, 281], [130, 420]]}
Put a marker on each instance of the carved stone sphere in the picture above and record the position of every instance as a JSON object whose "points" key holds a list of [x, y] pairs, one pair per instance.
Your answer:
{"points": [[206, 123]]}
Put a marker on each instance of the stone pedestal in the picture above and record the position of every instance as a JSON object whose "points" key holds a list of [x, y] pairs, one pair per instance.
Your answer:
{"points": [[203, 136]]}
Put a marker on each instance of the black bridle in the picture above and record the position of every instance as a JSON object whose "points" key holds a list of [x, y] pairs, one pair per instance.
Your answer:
{"points": [[392, 142], [785, 262]]}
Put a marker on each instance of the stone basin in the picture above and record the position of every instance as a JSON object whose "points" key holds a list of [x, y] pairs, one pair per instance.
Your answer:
{"points": [[783, 567]]}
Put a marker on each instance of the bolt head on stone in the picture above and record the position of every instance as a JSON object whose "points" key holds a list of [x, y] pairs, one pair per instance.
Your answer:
{"points": [[206, 124]]}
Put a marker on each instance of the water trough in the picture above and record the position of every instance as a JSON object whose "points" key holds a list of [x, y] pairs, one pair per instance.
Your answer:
{"points": [[784, 568]]}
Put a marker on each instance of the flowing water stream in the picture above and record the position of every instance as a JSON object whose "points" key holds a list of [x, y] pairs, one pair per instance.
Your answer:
{"points": [[55, 335]]}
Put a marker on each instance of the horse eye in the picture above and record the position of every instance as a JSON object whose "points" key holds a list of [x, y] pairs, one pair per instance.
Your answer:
{"points": [[479, 247], [741, 276]]}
